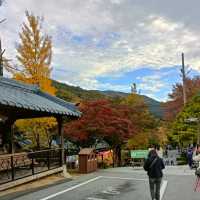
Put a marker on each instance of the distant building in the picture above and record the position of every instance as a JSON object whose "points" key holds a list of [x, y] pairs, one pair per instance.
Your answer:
{"points": [[134, 88]]}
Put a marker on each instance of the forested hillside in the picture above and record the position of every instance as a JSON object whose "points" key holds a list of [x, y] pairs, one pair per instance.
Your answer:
{"points": [[76, 94]]}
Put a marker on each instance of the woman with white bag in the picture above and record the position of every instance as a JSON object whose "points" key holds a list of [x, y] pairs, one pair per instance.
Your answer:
{"points": [[196, 157]]}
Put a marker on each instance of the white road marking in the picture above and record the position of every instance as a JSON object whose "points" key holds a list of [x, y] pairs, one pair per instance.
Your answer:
{"points": [[111, 191], [71, 188], [163, 188], [92, 198], [121, 178]]}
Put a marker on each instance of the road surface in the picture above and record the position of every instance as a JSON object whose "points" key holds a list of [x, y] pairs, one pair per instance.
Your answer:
{"points": [[119, 184]]}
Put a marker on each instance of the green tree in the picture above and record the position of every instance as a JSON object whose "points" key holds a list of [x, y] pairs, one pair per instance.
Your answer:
{"points": [[144, 121], [182, 131]]}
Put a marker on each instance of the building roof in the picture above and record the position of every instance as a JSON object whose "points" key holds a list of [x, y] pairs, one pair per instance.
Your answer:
{"points": [[29, 97], [86, 151], [101, 145]]}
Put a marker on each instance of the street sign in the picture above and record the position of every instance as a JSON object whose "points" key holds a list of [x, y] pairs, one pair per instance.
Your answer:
{"points": [[139, 153]]}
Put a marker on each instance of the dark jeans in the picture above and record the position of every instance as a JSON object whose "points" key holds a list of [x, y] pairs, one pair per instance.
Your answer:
{"points": [[154, 184], [190, 162]]}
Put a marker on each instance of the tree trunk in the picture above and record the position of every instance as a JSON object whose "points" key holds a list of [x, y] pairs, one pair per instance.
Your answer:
{"points": [[120, 156], [117, 155], [38, 141], [113, 158], [50, 144]]}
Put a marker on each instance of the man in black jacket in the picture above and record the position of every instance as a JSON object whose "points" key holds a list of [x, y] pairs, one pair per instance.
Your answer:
{"points": [[154, 166]]}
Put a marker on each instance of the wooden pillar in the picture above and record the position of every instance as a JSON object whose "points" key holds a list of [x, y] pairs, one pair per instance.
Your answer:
{"points": [[9, 130], [12, 138], [60, 133]]}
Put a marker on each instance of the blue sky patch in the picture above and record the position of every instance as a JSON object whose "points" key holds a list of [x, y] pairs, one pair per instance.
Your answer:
{"points": [[156, 83]]}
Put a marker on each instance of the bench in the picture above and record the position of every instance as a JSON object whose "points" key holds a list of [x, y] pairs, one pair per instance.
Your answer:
{"points": [[137, 162]]}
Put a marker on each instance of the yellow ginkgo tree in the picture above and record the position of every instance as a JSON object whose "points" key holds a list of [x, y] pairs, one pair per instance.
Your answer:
{"points": [[34, 53]]}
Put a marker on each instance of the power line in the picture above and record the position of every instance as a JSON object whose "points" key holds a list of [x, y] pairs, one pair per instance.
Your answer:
{"points": [[3, 20]]}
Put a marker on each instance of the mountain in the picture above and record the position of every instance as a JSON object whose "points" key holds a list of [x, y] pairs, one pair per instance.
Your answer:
{"points": [[76, 94], [114, 94], [155, 107]]}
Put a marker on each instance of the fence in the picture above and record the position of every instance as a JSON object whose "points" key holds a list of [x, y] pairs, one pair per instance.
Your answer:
{"points": [[21, 165]]}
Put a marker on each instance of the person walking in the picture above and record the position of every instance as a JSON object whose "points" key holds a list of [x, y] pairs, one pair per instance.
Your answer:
{"points": [[154, 166], [159, 151], [189, 157], [196, 158]]}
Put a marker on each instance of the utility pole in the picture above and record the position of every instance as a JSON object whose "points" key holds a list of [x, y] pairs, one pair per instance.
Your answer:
{"points": [[1, 59], [184, 80], [198, 134]]}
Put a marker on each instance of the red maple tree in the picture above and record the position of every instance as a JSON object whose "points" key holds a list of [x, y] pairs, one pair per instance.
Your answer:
{"points": [[102, 119], [175, 105]]}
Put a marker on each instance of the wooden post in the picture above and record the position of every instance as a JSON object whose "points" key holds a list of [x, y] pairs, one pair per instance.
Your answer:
{"points": [[12, 137], [9, 128], [12, 151], [60, 133]]}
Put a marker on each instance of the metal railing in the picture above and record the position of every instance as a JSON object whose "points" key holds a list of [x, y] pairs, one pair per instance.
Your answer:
{"points": [[21, 165]]}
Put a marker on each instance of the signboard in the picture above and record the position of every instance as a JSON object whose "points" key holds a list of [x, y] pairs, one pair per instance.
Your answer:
{"points": [[139, 153]]}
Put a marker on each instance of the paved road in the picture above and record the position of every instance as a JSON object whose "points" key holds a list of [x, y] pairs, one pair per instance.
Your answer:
{"points": [[120, 184]]}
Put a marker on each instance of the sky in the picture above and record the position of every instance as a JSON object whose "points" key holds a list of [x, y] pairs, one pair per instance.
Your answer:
{"points": [[110, 44]]}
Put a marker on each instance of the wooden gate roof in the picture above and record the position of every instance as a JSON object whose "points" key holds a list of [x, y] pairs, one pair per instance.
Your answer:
{"points": [[29, 100]]}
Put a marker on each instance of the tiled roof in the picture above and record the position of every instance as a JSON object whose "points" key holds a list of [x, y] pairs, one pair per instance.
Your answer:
{"points": [[17, 94]]}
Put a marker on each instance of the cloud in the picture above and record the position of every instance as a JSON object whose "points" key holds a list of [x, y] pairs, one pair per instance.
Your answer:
{"points": [[97, 38], [162, 25], [156, 85], [151, 83], [93, 84]]}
